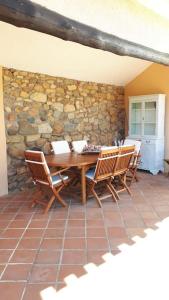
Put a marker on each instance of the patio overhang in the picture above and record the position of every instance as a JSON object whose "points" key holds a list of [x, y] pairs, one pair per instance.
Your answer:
{"points": [[29, 14]]}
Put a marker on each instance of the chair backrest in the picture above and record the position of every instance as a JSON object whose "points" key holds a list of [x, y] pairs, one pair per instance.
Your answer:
{"points": [[79, 145], [106, 164], [124, 158], [130, 142], [38, 167], [60, 147]]}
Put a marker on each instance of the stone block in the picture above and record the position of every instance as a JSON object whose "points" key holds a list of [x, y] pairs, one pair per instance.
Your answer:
{"points": [[72, 87], [16, 150], [39, 97], [58, 106], [69, 108], [25, 128], [40, 142], [44, 128], [14, 139], [58, 128], [32, 138], [24, 94], [12, 128]]}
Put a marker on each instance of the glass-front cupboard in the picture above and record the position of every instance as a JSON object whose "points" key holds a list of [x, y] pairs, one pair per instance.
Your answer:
{"points": [[146, 123]]}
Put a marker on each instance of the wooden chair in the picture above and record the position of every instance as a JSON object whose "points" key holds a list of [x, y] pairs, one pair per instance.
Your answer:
{"points": [[60, 147], [132, 172], [79, 145], [42, 177], [103, 171], [122, 166]]}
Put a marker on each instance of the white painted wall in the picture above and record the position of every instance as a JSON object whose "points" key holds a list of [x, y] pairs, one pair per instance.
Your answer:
{"points": [[3, 156], [36, 52]]}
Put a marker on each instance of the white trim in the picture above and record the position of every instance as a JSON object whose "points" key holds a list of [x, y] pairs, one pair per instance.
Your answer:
{"points": [[3, 153], [35, 162]]}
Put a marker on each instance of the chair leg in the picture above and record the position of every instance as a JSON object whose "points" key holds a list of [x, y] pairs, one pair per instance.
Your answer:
{"points": [[115, 192], [123, 181], [38, 193], [49, 204], [133, 176], [95, 194], [109, 186], [97, 198], [56, 193]]}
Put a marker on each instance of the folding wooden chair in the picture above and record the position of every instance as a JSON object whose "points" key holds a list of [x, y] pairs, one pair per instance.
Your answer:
{"points": [[42, 177], [120, 171], [132, 172], [60, 147], [78, 146], [103, 172]]}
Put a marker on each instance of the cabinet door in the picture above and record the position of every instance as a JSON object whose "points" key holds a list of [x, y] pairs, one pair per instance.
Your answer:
{"points": [[150, 118], [136, 118], [148, 155]]}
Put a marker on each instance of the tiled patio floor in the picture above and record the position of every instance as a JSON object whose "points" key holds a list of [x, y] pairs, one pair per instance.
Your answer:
{"points": [[37, 250]]}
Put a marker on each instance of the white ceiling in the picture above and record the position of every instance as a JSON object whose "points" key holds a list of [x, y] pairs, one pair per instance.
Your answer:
{"points": [[32, 51]]}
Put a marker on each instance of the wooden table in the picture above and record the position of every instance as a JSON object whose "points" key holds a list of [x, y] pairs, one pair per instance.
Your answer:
{"points": [[81, 161]]}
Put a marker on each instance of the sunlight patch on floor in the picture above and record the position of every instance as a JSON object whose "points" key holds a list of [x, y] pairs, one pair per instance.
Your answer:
{"points": [[140, 272]]}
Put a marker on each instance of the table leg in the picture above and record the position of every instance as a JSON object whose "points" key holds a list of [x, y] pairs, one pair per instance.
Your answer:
{"points": [[83, 184]]}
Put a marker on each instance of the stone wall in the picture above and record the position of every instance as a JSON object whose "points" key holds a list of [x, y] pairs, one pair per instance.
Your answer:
{"points": [[40, 108]]}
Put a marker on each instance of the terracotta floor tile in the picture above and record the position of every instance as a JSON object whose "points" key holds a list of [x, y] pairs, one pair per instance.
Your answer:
{"points": [[51, 244], [131, 232], [29, 243], [76, 215], [96, 232], [12, 233], [61, 285], [95, 257], [54, 233], [95, 223], [113, 219], [94, 214], [116, 232], [134, 222], [56, 223], [34, 291], [33, 233], [43, 273], [74, 243], [73, 257], [4, 224], [11, 290], [56, 215], [17, 272], [38, 224], [18, 224], [97, 243], [66, 270], [8, 243], [5, 255], [21, 216], [23, 256], [76, 223], [48, 257], [75, 232], [2, 267], [6, 217], [116, 243]]}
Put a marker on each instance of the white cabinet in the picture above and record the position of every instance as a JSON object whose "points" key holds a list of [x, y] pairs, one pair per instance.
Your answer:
{"points": [[146, 123]]}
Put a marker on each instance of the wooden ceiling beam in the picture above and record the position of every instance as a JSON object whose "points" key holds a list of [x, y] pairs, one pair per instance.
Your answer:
{"points": [[29, 14]]}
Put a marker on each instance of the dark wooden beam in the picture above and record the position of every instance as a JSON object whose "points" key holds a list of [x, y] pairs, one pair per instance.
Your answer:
{"points": [[28, 14]]}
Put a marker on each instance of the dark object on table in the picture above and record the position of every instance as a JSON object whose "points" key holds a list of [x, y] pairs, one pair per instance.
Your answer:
{"points": [[89, 149]]}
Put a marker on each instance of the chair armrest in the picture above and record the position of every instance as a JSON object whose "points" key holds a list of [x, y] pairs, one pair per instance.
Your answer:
{"points": [[59, 171]]}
